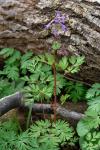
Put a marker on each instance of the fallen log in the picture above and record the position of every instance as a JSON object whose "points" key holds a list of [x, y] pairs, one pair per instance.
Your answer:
{"points": [[16, 100], [10, 102]]}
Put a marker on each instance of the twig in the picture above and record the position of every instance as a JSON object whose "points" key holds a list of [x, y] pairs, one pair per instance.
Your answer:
{"points": [[10, 102], [75, 80]]}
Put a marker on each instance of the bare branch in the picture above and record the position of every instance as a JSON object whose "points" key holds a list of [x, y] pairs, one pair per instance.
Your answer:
{"points": [[15, 100], [10, 102]]}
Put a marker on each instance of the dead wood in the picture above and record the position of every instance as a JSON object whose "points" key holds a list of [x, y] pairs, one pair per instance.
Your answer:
{"points": [[16, 100]]}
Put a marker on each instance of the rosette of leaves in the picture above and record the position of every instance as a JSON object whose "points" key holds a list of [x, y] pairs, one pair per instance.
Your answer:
{"points": [[76, 91], [54, 134]]}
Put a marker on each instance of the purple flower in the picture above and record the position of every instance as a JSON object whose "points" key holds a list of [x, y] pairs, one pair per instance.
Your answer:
{"points": [[48, 25], [55, 32], [57, 17], [63, 27], [58, 20]]}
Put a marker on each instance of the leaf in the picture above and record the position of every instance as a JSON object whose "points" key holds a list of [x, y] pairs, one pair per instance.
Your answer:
{"points": [[10, 125], [63, 63], [6, 87], [45, 68], [49, 142], [80, 60], [19, 85], [93, 91], [63, 98], [52, 134], [61, 129], [16, 56], [74, 69], [75, 90], [47, 91], [90, 141], [82, 128], [23, 142], [26, 56], [40, 58], [37, 92], [42, 135], [12, 72], [56, 45], [94, 105], [49, 58], [86, 124], [27, 62], [39, 128], [34, 67], [6, 52], [76, 62], [72, 60]]}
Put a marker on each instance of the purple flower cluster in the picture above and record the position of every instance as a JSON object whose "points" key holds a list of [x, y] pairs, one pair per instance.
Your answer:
{"points": [[58, 20]]}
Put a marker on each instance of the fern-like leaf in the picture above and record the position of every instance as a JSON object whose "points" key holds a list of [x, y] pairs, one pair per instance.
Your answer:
{"points": [[63, 63], [61, 129], [12, 72], [6, 52], [94, 91], [26, 60], [76, 91], [16, 56]]}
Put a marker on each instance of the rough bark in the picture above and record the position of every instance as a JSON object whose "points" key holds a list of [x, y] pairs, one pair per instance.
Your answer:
{"points": [[22, 27], [15, 100]]}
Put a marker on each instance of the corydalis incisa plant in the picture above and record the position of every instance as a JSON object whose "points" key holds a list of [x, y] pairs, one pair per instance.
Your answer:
{"points": [[58, 23]]}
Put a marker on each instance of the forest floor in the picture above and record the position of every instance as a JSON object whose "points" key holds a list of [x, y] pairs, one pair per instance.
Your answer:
{"points": [[77, 107]]}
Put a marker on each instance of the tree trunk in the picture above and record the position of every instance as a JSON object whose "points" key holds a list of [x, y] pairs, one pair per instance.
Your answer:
{"points": [[22, 27]]}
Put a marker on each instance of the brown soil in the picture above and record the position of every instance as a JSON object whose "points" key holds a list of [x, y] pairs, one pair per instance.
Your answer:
{"points": [[12, 113], [78, 107]]}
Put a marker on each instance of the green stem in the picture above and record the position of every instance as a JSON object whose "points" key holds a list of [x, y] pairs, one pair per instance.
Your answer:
{"points": [[29, 116]]}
